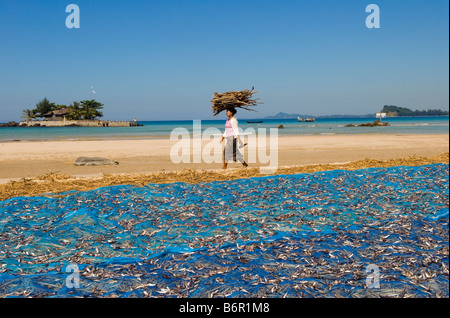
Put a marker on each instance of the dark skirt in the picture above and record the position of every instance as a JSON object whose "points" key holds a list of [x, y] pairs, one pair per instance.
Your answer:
{"points": [[231, 151]]}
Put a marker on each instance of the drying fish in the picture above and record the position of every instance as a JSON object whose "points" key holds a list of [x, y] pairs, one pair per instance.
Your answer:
{"points": [[303, 235]]}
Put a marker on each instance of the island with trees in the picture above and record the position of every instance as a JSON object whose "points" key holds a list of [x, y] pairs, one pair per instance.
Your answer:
{"points": [[395, 111], [86, 113]]}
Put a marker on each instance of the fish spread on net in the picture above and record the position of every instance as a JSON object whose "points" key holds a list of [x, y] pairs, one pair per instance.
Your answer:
{"points": [[179, 240]]}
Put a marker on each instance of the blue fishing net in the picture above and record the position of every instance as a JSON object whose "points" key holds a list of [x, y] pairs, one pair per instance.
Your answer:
{"points": [[379, 232]]}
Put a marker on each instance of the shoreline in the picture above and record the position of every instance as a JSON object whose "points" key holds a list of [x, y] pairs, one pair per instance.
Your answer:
{"points": [[124, 137], [166, 137]]}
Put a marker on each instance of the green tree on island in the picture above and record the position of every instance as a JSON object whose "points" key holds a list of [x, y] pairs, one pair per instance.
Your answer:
{"points": [[42, 107], [90, 109], [394, 111], [28, 114], [74, 111], [86, 109]]}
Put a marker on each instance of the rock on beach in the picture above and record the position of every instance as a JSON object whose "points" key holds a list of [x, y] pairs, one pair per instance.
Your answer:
{"points": [[94, 161]]}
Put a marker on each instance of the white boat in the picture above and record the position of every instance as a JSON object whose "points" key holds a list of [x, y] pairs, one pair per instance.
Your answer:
{"points": [[305, 119]]}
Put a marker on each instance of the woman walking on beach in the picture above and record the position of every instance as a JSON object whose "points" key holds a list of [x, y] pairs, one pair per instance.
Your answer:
{"points": [[231, 134]]}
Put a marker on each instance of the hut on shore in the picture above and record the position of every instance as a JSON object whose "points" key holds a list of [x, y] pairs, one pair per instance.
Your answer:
{"points": [[57, 115]]}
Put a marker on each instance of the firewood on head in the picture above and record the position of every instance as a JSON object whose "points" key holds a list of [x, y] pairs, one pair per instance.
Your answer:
{"points": [[234, 99]]}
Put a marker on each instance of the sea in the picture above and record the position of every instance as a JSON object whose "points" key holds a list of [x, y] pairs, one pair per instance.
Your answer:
{"points": [[291, 127]]}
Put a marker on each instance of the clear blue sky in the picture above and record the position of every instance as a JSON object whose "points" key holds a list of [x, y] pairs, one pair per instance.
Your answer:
{"points": [[158, 60]]}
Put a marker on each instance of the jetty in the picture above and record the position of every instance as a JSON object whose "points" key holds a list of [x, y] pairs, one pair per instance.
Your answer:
{"points": [[78, 123]]}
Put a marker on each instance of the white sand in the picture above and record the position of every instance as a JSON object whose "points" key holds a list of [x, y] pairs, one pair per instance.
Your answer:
{"points": [[32, 159]]}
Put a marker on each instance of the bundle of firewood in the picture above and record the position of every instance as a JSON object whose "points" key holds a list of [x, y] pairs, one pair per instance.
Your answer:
{"points": [[234, 99]]}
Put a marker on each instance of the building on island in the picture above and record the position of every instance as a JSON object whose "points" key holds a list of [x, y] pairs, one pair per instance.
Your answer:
{"points": [[57, 115]]}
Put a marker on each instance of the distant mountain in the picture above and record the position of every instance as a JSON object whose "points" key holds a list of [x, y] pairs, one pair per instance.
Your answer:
{"points": [[282, 115]]}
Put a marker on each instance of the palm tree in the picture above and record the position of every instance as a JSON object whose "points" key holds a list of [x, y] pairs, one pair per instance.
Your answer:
{"points": [[28, 114], [74, 111], [90, 109]]}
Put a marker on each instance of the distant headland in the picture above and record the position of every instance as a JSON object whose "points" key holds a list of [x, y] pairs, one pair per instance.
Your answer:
{"points": [[395, 111], [391, 111]]}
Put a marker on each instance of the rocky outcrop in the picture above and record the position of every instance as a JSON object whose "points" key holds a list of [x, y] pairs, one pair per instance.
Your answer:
{"points": [[10, 124], [376, 123], [94, 161]]}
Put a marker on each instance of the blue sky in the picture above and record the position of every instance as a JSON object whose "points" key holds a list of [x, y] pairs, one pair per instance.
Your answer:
{"points": [[158, 60]]}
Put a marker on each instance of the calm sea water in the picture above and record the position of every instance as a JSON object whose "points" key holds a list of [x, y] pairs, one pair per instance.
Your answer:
{"points": [[162, 129]]}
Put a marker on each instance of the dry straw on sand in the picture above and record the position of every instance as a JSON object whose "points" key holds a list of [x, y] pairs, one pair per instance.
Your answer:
{"points": [[52, 184], [234, 99]]}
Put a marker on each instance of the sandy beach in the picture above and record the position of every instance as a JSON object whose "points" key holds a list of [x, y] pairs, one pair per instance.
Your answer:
{"points": [[36, 158]]}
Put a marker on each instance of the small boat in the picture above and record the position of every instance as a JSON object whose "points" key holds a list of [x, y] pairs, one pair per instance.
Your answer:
{"points": [[254, 121], [305, 119]]}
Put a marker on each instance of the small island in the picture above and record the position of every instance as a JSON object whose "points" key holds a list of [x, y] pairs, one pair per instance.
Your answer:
{"points": [[85, 113]]}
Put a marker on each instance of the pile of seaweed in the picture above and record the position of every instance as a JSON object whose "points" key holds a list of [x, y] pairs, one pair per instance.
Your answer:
{"points": [[324, 234]]}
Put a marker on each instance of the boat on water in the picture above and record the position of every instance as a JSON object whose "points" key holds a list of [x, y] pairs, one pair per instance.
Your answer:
{"points": [[254, 121], [305, 119]]}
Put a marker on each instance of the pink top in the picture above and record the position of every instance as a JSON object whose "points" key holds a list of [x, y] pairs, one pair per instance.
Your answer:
{"points": [[229, 129]]}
